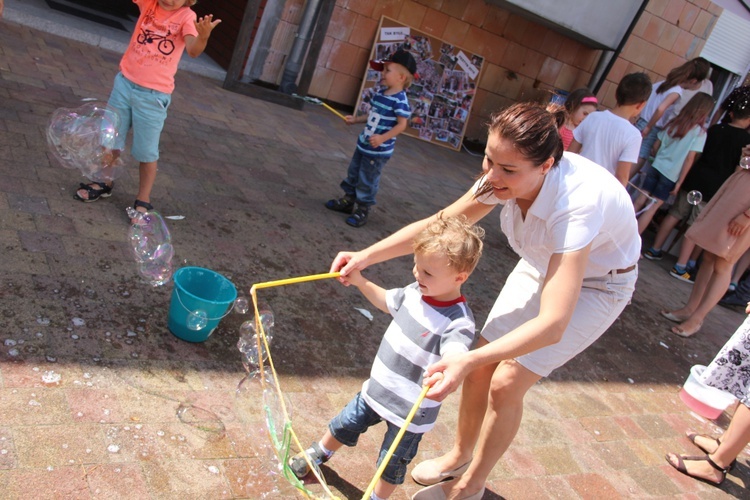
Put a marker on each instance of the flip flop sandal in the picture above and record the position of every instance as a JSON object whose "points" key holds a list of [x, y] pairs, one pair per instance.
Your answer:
{"points": [[94, 194], [705, 458], [138, 203], [694, 435], [143, 204]]}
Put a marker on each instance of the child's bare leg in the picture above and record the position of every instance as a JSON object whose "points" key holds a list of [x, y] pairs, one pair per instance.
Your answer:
{"points": [[640, 202], [383, 489], [146, 182], [645, 218]]}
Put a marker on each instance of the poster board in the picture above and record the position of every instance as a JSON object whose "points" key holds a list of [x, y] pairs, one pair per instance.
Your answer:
{"points": [[442, 97]]}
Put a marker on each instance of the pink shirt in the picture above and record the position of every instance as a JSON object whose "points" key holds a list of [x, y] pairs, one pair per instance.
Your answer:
{"points": [[157, 45], [567, 136]]}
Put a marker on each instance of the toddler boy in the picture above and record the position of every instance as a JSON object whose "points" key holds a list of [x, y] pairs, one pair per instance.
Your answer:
{"points": [[431, 320]]}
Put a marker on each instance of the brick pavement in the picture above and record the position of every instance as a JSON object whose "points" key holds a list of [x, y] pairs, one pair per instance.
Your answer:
{"points": [[138, 413]]}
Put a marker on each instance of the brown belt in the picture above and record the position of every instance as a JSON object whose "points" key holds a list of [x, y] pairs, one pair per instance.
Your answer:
{"points": [[623, 271]]}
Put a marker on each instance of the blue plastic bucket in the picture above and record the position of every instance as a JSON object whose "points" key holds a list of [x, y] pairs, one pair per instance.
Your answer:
{"points": [[197, 289]]}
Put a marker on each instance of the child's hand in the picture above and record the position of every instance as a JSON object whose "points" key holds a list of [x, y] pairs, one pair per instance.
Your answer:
{"points": [[376, 140], [205, 25], [353, 278], [350, 120]]}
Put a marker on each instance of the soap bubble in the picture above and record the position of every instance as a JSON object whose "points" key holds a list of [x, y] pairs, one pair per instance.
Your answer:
{"points": [[694, 197], [274, 414], [241, 305], [152, 246], [267, 321], [745, 162], [84, 138], [197, 320], [248, 346], [156, 273]]}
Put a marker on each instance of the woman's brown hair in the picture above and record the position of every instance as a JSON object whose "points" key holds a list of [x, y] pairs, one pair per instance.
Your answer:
{"points": [[533, 130]]}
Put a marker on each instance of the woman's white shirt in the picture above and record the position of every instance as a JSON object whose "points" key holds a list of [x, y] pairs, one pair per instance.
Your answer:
{"points": [[579, 203]]}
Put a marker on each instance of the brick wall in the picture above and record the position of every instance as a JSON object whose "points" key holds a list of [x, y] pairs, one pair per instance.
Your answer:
{"points": [[523, 59], [668, 33]]}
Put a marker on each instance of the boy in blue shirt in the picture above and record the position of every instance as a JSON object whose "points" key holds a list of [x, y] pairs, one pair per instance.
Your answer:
{"points": [[387, 118]]}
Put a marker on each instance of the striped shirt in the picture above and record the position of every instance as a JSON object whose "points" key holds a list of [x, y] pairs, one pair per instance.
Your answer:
{"points": [[384, 113], [423, 330]]}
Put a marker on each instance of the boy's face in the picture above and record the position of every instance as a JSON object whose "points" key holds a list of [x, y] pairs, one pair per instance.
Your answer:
{"points": [[393, 74], [171, 4], [436, 278]]}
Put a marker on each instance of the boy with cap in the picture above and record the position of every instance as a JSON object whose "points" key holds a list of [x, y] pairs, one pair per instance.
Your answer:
{"points": [[387, 118]]}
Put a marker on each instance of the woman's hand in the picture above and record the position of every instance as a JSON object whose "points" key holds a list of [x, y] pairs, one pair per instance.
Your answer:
{"points": [[345, 262], [738, 225], [446, 375]]}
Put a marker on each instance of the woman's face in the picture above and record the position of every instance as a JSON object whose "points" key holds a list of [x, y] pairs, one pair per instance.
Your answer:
{"points": [[582, 112], [510, 173]]}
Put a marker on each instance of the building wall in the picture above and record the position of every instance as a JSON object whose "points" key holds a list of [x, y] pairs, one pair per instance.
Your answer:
{"points": [[668, 33], [524, 60]]}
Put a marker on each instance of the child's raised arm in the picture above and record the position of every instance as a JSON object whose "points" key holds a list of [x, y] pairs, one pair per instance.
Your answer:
{"points": [[196, 45]]}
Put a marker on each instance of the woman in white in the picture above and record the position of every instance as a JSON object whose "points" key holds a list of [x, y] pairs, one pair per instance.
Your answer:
{"points": [[574, 226]]}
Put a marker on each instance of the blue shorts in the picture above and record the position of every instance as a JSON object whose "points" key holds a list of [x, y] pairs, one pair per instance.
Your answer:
{"points": [[356, 418], [657, 185], [647, 143], [145, 111]]}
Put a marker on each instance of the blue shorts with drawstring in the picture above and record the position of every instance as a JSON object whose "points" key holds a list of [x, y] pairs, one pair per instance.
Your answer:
{"points": [[356, 418], [143, 109], [657, 185]]}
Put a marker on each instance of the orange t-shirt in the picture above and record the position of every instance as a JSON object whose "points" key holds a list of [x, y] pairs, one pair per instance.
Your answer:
{"points": [[157, 45]]}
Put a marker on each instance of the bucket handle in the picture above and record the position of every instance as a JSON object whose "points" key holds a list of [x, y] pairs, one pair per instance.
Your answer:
{"points": [[177, 293]]}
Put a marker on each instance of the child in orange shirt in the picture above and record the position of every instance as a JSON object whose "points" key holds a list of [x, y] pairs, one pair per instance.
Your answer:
{"points": [[143, 88]]}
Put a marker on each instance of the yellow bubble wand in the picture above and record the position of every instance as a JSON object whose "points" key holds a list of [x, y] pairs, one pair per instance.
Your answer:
{"points": [[395, 443], [261, 338]]}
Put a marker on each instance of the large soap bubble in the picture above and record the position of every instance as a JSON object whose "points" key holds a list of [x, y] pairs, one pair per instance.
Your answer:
{"points": [[152, 246], [84, 138]]}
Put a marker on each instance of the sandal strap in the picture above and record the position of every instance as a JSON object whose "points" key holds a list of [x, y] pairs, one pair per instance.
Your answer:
{"points": [[143, 204], [90, 187], [715, 465]]}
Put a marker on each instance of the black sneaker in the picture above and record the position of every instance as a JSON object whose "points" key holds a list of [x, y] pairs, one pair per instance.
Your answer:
{"points": [[299, 465], [359, 217], [344, 204], [651, 254], [685, 275], [732, 300]]}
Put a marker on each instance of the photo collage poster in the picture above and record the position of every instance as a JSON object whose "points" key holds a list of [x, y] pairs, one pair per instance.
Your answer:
{"points": [[442, 95]]}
